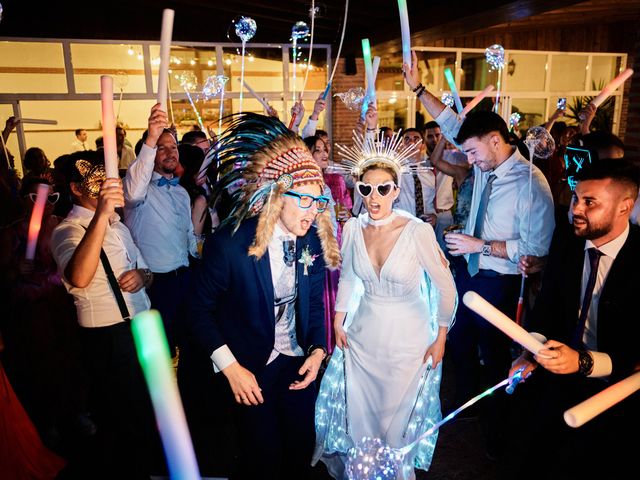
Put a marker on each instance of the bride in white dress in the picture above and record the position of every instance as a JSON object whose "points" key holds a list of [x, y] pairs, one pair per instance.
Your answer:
{"points": [[397, 300]]}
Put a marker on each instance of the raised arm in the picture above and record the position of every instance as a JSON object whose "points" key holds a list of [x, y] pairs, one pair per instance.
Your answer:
{"points": [[458, 172]]}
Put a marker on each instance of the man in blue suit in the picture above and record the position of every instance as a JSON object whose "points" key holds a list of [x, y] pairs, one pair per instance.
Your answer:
{"points": [[257, 313]]}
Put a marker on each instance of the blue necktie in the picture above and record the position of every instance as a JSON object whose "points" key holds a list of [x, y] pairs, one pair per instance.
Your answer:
{"points": [[474, 258], [594, 261], [164, 181], [289, 248]]}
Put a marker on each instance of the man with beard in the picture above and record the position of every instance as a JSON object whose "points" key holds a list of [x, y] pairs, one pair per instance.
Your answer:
{"points": [[587, 310], [158, 213]]}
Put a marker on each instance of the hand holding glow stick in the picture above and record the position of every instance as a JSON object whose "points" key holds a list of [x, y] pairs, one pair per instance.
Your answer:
{"points": [[454, 90], [592, 407], [494, 316], [35, 223], [108, 127], [165, 52], [611, 87], [406, 33], [153, 354], [37, 121], [476, 100]]}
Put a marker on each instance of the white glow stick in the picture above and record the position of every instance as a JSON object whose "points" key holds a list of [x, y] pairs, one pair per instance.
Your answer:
{"points": [[498, 319], [108, 127], [476, 100], [38, 121], [612, 87], [406, 33], [165, 51], [255, 95], [376, 66], [592, 407]]}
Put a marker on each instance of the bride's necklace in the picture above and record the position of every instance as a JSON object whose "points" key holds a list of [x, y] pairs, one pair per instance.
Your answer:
{"points": [[383, 221]]}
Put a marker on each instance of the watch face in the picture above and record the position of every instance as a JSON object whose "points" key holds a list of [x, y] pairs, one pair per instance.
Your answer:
{"points": [[486, 249]]}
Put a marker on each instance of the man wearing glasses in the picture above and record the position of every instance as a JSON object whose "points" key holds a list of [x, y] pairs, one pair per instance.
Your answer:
{"points": [[257, 311]]}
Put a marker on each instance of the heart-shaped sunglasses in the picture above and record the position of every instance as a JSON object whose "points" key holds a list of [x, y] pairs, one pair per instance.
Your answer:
{"points": [[365, 189]]}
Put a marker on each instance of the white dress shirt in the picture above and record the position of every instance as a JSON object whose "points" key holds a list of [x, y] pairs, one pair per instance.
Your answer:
{"points": [[407, 198], [438, 191], [159, 217], [96, 304], [78, 146]]}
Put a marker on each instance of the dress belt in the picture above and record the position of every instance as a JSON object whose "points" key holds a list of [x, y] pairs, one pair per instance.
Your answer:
{"points": [[173, 273]]}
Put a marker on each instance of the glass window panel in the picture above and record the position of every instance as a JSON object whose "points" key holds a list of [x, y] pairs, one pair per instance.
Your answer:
{"points": [[532, 112], [393, 110], [389, 76], [603, 70], [262, 69], [123, 62], [525, 72], [32, 67], [568, 72], [431, 67], [475, 74], [318, 77], [186, 64]]}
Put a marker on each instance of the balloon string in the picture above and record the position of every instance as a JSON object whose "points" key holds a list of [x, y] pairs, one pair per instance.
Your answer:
{"points": [[406, 449], [335, 64], [313, 23]]}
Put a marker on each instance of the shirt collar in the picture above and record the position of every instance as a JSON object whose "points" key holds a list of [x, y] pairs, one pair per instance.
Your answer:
{"points": [[502, 169], [612, 248]]}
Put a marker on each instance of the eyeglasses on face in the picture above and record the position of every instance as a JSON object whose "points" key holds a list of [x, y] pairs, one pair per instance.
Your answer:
{"points": [[365, 189], [305, 200], [51, 198]]}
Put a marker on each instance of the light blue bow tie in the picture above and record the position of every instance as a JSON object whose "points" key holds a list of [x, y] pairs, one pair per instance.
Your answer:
{"points": [[164, 181]]}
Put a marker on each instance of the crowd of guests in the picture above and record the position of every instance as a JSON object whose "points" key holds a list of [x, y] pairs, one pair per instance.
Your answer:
{"points": [[161, 237]]}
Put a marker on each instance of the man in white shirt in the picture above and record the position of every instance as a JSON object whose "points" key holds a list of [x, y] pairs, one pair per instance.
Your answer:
{"points": [[588, 311], [80, 143], [158, 213], [118, 397]]}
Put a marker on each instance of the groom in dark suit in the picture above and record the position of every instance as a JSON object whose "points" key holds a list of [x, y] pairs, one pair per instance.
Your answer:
{"points": [[588, 310], [257, 312]]}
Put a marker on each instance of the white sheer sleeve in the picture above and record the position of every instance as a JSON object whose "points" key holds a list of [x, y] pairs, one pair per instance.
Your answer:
{"points": [[436, 266], [350, 286]]}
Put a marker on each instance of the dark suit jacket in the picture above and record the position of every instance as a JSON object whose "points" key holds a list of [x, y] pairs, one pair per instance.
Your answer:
{"points": [[232, 299], [555, 314]]}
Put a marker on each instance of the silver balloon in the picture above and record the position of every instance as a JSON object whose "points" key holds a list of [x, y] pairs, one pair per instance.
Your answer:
{"points": [[448, 99], [246, 28], [495, 57], [540, 142], [300, 30], [352, 98], [514, 119], [0, 12], [213, 85], [371, 459]]}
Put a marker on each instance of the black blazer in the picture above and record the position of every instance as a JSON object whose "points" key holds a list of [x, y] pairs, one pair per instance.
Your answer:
{"points": [[232, 300], [556, 310]]}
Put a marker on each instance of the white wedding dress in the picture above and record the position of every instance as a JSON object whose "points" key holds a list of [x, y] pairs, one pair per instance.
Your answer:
{"points": [[379, 386]]}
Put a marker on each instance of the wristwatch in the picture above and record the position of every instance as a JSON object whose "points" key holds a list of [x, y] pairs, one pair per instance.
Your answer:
{"points": [[585, 363], [147, 276], [486, 249]]}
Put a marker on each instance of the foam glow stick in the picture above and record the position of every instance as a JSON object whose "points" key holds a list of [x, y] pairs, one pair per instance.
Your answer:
{"points": [[108, 127], [36, 220], [38, 121], [476, 100], [592, 407], [612, 87], [406, 33], [454, 90], [165, 51], [153, 354], [368, 71], [376, 66], [498, 319], [255, 95]]}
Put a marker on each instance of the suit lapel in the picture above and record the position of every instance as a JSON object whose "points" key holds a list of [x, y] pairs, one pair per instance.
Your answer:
{"points": [[263, 272]]}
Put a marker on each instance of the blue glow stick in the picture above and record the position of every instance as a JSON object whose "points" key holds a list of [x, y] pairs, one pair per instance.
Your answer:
{"points": [[326, 91], [454, 90]]}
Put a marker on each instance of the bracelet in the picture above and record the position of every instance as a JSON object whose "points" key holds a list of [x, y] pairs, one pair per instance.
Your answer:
{"points": [[420, 92], [418, 87], [371, 129]]}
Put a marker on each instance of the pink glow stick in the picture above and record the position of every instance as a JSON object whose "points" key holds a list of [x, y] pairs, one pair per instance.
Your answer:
{"points": [[36, 220], [108, 127], [476, 100], [592, 407], [611, 87]]}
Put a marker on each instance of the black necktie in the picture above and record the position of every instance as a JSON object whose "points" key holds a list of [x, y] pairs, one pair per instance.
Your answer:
{"points": [[473, 266], [418, 194], [594, 261], [289, 248]]}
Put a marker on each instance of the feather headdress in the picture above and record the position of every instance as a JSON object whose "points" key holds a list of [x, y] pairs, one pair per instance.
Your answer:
{"points": [[371, 150], [258, 159]]}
